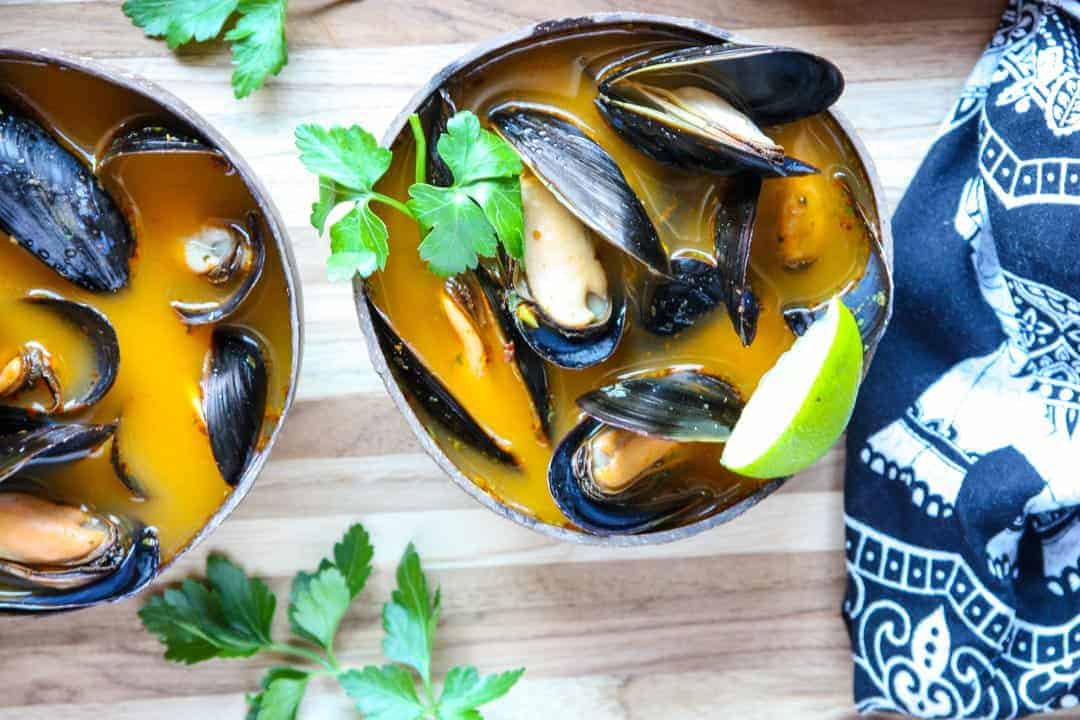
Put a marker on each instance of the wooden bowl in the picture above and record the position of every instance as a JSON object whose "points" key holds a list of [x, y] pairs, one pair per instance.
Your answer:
{"points": [[171, 106], [693, 30]]}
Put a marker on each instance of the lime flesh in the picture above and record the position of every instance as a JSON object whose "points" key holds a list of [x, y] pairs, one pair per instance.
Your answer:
{"points": [[803, 403]]}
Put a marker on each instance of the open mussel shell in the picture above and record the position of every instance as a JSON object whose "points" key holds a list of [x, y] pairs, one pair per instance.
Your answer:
{"points": [[101, 337], [531, 367], [234, 389], [430, 393], [702, 107], [572, 349], [656, 415], [577, 499], [675, 305], [27, 440], [584, 178], [735, 219], [683, 406], [61, 557], [54, 207], [154, 139], [242, 256]]}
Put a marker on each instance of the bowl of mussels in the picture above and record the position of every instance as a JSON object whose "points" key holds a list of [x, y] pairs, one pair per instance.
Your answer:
{"points": [[703, 275], [149, 331]]}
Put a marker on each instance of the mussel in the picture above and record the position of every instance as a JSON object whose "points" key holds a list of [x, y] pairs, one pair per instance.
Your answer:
{"points": [[55, 556], [564, 301], [52, 205], [472, 301], [630, 467], [702, 108], [675, 305], [26, 440], [431, 393], [234, 387], [870, 297], [734, 231], [33, 364], [223, 255]]}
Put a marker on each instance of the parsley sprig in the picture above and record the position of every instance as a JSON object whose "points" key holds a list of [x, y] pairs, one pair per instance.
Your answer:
{"points": [[461, 223], [230, 616], [259, 47]]}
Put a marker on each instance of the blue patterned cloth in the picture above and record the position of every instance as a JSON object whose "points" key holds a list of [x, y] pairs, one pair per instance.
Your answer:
{"points": [[962, 494]]}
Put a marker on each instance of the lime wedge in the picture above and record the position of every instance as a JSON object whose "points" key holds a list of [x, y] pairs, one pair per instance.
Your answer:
{"points": [[803, 403]]}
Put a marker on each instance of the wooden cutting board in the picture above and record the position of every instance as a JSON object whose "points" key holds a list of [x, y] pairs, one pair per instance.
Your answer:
{"points": [[742, 622]]}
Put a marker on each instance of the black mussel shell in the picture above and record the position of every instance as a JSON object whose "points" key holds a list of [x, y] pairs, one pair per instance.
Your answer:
{"points": [[584, 178], [530, 365], [102, 338], [137, 568], [234, 399], [27, 440], [769, 85], [122, 471], [609, 518], [675, 305], [434, 116], [427, 390], [573, 349], [683, 406], [254, 247], [673, 142], [735, 218], [773, 85], [155, 139], [54, 207]]}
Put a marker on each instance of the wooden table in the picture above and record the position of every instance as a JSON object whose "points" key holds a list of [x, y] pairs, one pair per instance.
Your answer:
{"points": [[742, 622]]}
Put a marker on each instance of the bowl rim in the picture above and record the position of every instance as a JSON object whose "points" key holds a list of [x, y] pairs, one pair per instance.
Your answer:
{"points": [[169, 102], [481, 52]]}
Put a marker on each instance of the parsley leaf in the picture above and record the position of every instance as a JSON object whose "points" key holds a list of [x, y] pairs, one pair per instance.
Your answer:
{"points": [[319, 602], [348, 162], [180, 21], [410, 617], [383, 693], [259, 47], [229, 618], [353, 558], [463, 221], [464, 690], [283, 690]]}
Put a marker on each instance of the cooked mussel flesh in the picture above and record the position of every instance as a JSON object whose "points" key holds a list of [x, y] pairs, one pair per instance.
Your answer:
{"points": [[531, 368], [53, 206], [628, 467], [467, 318], [431, 394], [702, 108], [33, 363], [234, 388], [26, 440], [223, 255], [55, 556]]}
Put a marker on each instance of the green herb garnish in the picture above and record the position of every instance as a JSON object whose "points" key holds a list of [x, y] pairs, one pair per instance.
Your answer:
{"points": [[461, 223], [257, 37], [230, 616]]}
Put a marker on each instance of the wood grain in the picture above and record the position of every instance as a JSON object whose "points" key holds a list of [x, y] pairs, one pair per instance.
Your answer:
{"points": [[740, 622]]}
